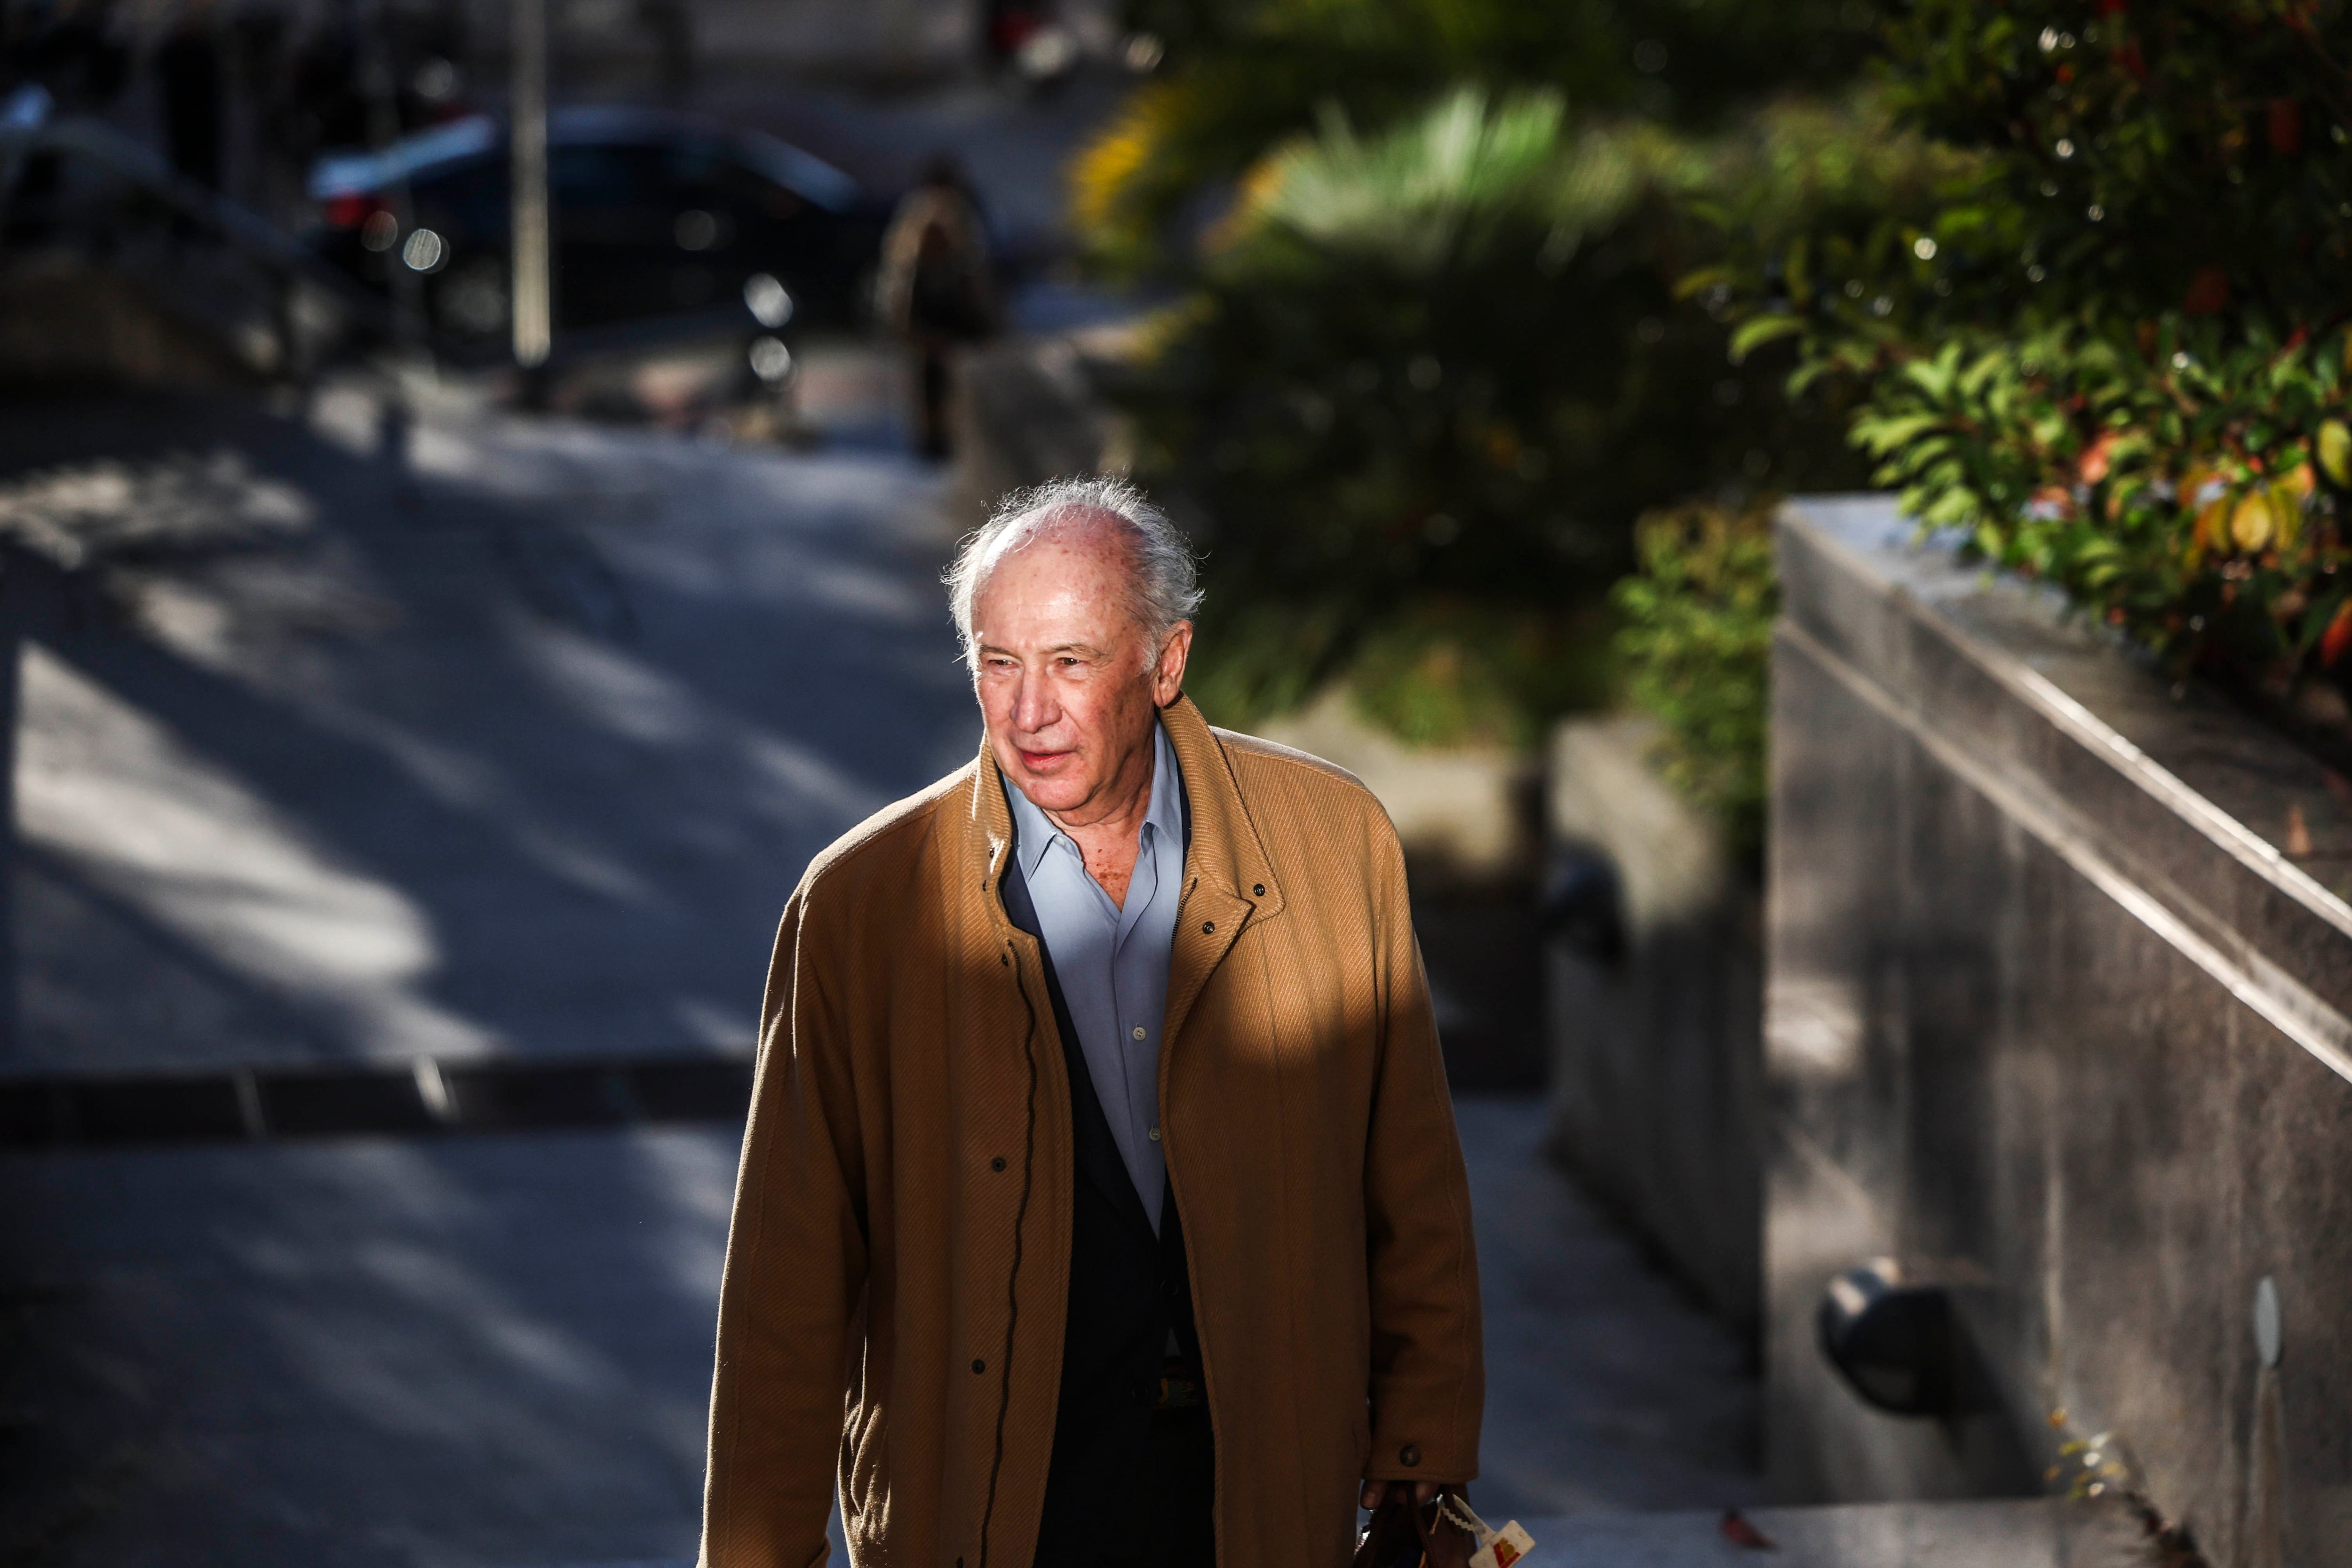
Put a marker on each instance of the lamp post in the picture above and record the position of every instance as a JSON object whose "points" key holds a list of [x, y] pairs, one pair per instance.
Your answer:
{"points": [[533, 324]]}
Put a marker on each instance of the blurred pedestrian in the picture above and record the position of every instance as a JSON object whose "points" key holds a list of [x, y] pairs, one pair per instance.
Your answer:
{"points": [[1101, 1204], [936, 289]]}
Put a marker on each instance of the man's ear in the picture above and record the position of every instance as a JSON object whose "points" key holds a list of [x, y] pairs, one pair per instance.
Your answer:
{"points": [[1168, 680]]}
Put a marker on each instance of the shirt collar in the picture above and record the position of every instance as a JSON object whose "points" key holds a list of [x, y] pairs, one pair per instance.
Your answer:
{"points": [[1034, 832]]}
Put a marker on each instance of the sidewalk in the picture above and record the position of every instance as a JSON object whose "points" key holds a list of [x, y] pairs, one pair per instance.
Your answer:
{"points": [[494, 1352]]}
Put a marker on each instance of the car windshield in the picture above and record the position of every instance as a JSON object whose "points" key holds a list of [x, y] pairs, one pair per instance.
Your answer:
{"points": [[596, 154], [357, 174], [803, 174]]}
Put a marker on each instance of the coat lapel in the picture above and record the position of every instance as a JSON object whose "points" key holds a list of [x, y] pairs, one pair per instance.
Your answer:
{"points": [[1228, 879]]}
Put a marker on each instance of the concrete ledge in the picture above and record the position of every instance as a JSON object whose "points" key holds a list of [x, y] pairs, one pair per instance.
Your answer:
{"points": [[2058, 975], [1655, 1036], [2189, 797]]}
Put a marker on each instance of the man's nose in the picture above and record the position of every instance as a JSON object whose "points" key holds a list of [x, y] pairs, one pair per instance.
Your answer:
{"points": [[1033, 707]]}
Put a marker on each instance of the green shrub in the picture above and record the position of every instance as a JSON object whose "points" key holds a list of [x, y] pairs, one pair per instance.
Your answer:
{"points": [[1241, 76], [1697, 642], [1426, 381], [2108, 341]]}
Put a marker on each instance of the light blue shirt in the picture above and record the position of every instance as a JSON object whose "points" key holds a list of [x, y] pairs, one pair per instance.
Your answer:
{"points": [[1112, 960]]}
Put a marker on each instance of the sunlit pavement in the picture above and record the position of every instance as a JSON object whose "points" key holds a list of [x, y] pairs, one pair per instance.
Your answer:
{"points": [[495, 1352], [515, 749]]}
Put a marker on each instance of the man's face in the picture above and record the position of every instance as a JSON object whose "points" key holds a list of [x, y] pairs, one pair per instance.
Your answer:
{"points": [[1069, 684]]}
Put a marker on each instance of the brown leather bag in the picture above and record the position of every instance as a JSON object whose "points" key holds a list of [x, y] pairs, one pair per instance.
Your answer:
{"points": [[1403, 1534]]}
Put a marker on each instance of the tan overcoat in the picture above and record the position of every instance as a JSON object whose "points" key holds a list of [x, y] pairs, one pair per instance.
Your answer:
{"points": [[898, 1269]]}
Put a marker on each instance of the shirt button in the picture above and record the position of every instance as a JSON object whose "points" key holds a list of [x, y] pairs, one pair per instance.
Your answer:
{"points": [[1155, 1135], [1138, 1031]]}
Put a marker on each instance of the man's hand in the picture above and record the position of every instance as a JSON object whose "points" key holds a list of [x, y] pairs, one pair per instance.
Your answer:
{"points": [[1375, 1490]]}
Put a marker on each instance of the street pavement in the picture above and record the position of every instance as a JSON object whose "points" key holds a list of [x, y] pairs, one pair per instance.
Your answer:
{"points": [[513, 747], [493, 1353]]}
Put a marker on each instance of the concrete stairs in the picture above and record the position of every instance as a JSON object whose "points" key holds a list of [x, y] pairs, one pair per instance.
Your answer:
{"points": [[2028, 1533]]}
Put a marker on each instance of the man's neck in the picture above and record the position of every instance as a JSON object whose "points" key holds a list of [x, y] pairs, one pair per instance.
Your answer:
{"points": [[1108, 840]]}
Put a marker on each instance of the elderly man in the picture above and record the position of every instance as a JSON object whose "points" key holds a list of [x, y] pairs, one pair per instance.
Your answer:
{"points": [[1101, 1203]]}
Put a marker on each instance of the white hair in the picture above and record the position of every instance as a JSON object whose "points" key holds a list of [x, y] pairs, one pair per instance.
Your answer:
{"points": [[1164, 579]]}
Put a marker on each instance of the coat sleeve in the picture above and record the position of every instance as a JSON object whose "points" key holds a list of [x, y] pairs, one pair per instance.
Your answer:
{"points": [[1428, 1371], [795, 1276]]}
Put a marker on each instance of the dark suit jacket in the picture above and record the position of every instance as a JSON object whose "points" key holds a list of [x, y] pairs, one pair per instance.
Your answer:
{"points": [[1128, 1290]]}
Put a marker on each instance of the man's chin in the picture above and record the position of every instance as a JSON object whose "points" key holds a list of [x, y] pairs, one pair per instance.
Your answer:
{"points": [[1054, 785]]}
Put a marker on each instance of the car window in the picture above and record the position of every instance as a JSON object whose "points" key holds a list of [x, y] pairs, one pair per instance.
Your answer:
{"points": [[694, 162], [753, 195], [468, 197], [608, 174]]}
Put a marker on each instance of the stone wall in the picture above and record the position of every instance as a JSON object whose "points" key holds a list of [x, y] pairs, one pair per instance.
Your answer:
{"points": [[2059, 963], [1653, 989]]}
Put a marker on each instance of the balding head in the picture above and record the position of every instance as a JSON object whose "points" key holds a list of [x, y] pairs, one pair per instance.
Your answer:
{"points": [[1159, 582]]}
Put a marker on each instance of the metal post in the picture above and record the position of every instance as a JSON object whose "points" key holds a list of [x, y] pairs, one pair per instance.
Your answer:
{"points": [[533, 325], [380, 83], [15, 591]]}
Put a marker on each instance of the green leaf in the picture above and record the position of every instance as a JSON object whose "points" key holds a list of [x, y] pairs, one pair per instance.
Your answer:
{"points": [[1757, 330]]}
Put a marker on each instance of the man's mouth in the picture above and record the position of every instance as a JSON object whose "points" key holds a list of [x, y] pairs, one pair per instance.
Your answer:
{"points": [[1040, 762]]}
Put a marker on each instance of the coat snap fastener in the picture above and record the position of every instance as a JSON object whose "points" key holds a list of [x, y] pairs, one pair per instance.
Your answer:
{"points": [[1409, 1455]]}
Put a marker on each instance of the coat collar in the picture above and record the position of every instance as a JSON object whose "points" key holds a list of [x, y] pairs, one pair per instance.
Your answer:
{"points": [[1228, 876]]}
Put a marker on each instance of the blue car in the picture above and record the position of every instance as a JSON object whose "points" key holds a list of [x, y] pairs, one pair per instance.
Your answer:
{"points": [[657, 216]]}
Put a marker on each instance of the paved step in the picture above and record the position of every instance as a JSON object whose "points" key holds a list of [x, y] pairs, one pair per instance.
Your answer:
{"points": [[2028, 1533]]}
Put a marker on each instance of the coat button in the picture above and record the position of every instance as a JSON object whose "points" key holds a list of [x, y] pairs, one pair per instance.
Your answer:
{"points": [[1410, 1455], [1140, 1391], [1168, 1289], [1208, 928], [1257, 889], [997, 1163], [979, 1367]]}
